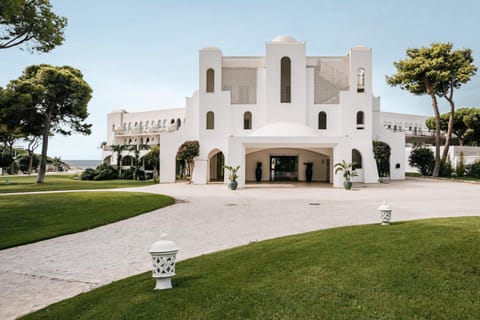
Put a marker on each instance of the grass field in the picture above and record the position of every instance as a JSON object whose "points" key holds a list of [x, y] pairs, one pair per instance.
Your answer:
{"points": [[32, 217], [62, 182], [425, 269]]}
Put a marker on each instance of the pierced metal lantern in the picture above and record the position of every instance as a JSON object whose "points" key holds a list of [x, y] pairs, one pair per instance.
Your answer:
{"points": [[164, 255], [385, 213]]}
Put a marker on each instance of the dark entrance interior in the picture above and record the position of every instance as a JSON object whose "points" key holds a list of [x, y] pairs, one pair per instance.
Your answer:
{"points": [[283, 168]]}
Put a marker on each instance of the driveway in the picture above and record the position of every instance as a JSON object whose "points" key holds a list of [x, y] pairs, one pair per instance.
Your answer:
{"points": [[209, 218]]}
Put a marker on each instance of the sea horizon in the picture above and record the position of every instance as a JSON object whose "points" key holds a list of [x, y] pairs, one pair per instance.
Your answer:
{"points": [[83, 164]]}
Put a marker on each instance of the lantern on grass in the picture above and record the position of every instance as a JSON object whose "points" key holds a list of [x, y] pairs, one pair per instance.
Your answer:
{"points": [[385, 213], [164, 255]]}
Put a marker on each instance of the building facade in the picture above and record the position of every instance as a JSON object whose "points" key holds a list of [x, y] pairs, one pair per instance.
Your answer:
{"points": [[282, 111]]}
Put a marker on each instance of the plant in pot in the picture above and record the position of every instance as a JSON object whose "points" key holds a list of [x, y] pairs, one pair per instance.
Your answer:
{"points": [[232, 176], [308, 171], [347, 169], [258, 172]]}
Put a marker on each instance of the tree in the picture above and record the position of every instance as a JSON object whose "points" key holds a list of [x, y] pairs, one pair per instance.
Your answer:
{"points": [[435, 71], [458, 69], [466, 125], [118, 148], [52, 100], [32, 144], [422, 158], [472, 121], [30, 22], [136, 151], [188, 151], [153, 158], [381, 153]]}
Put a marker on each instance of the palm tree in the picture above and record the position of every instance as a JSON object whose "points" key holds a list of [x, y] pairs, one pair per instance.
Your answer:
{"points": [[347, 169], [118, 148]]}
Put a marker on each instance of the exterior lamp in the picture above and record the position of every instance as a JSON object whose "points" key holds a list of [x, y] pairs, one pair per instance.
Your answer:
{"points": [[164, 255], [385, 213]]}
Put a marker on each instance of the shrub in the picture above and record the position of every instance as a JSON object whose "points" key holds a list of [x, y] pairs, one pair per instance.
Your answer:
{"points": [[127, 174], [88, 174], [381, 152], [423, 159], [446, 169], [474, 170], [460, 168], [105, 172]]}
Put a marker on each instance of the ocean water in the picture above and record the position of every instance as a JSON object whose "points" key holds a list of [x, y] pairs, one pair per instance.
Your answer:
{"points": [[83, 164]]}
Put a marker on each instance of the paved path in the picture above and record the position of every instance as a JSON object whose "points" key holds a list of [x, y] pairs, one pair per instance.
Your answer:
{"points": [[209, 218]]}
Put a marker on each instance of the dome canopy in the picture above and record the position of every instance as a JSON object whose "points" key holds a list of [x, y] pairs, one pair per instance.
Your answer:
{"points": [[285, 129], [284, 38], [163, 245]]}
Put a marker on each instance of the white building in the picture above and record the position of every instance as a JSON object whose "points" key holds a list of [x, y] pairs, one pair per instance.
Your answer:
{"points": [[411, 124], [283, 110]]}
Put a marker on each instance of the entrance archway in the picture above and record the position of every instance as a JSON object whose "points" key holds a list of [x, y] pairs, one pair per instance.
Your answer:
{"points": [[216, 161]]}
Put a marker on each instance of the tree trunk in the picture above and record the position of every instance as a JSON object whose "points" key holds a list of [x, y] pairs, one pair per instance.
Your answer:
{"points": [[30, 162], [12, 164], [436, 168], [43, 158], [450, 125]]}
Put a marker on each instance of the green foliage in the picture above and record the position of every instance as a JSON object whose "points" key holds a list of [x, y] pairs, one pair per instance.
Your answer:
{"points": [[152, 159], [460, 168], [30, 22], [424, 269], [24, 161], [88, 174], [232, 172], [473, 170], [446, 169], [466, 125], [422, 158], [187, 152], [46, 100], [29, 218], [128, 174], [346, 168], [382, 152]]}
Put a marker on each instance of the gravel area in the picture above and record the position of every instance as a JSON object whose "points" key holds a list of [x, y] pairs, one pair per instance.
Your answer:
{"points": [[209, 218]]}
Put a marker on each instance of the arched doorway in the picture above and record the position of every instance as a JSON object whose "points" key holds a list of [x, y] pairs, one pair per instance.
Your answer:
{"points": [[216, 161]]}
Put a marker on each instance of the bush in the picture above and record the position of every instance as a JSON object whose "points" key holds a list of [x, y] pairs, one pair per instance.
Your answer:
{"points": [[460, 169], [446, 169], [127, 174], [105, 172], [88, 174], [423, 159], [474, 170]]}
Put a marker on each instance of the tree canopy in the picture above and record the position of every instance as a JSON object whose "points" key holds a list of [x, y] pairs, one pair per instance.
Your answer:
{"points": [[436, 71], [466, 125], [32, 23], [46, 100]]}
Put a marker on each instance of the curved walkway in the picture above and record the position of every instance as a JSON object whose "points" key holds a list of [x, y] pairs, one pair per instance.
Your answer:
{"points": [[208, 218]]}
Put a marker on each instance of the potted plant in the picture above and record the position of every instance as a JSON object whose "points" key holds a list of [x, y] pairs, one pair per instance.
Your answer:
{"points": [[309, 171], [347, 169], [258, 172], [232, 176]]}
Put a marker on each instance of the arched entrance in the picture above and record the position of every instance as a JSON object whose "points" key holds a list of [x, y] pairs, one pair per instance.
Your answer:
{"points": [[216, 161]]}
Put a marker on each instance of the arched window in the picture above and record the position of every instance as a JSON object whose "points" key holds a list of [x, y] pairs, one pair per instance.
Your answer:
{"points": [[136, 125], [210, 80], [360, 120], [285, 80], [210, 120], [179, 123], [247, 120], [113, 127], [129, 125], [164, 123], [141, 124], [356, 159], [124, 126], [361, 80], [322, 120], [147, 124]]}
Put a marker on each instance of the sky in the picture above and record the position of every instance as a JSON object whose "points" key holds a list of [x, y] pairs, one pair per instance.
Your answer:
{"points": [[143, 55]]}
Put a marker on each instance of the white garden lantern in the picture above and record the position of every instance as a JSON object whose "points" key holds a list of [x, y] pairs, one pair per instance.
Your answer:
{"points": [[164, 255], [385, 213]]}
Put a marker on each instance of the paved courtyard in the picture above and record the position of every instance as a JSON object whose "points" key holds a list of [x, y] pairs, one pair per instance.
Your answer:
{"points": [[209, 218]]}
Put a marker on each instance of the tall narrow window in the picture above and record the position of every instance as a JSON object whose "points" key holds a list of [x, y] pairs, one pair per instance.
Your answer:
{"points": [[285, 80], [356, 159], [210, 80], [360, 120], [247, 120], [322, 120], [361, 80], [210, 120]]}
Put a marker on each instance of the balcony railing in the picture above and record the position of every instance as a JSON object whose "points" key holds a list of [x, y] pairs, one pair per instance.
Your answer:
{"points": [[130, 132]]}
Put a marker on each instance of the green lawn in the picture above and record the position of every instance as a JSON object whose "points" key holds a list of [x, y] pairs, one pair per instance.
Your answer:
{"points": [[62, 182], [33, 217], [427, 269]]}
